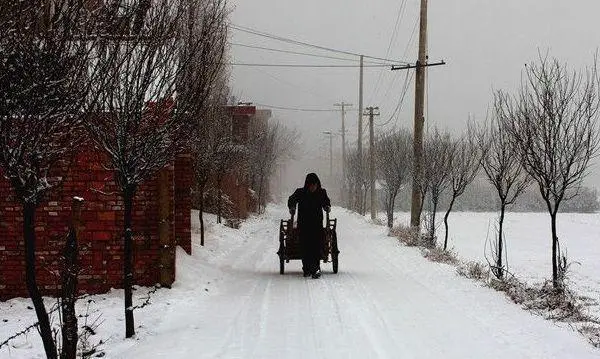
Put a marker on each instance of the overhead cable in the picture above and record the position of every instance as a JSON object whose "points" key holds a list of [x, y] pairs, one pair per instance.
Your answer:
{"points": [[301, 43], [299, 109], [300, 53], [300, 65]]}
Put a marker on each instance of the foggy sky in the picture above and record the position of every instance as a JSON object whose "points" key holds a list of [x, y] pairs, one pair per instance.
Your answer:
{"points": [[485, 43]]}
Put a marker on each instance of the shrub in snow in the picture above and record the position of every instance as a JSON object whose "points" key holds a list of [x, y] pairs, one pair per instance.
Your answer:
{"points": [[409, 236], [592, 332], [437, 254], [474, 270]]}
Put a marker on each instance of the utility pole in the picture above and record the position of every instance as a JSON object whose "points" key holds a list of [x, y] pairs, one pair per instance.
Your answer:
{"points": [[330, 134], [360, 136], [343, 105], [421, 65], [371, 112], [415, 205]]}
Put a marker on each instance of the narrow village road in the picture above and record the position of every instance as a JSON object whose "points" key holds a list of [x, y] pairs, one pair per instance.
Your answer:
{"points": [[386, 302]]}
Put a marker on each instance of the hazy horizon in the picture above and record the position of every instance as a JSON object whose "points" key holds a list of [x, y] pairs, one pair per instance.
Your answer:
{"points": [[485, 44]]}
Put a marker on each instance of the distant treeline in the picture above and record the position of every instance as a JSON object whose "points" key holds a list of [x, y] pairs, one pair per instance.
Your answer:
{"points": [[480, 197]]}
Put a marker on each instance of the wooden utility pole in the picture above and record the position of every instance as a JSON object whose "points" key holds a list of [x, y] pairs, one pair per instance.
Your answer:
{"points": [[360, 136], [415, 205], [343, 105], [371, 112], [420, 66]]}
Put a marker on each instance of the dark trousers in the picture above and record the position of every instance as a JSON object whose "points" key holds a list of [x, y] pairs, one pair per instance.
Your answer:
{"points": [[311, 240]]}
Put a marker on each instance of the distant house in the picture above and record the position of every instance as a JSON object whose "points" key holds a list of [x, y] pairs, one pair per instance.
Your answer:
{"points": [[236, 185]]}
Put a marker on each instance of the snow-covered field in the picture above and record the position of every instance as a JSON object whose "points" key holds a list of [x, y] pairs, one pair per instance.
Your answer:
{"points": [[529, 245], [387, 301]]}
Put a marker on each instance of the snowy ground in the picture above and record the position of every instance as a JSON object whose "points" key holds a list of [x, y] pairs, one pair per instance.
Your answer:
{"points": [[529, 245], [387, 301]]}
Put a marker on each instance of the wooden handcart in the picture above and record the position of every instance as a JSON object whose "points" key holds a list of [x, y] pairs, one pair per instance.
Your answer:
{"points": [[290, 247]]}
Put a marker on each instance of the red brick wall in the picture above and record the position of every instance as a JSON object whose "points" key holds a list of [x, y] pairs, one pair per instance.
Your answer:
{"points": [[184, 180], [100, 240], [236, 189]]}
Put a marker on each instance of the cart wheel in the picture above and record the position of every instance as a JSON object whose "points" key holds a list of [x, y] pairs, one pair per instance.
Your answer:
{"points": [[334, 252], [334, 261], [281, 265]]}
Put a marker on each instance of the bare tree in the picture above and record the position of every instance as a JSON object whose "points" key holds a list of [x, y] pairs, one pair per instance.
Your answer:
{"points": [[45, 87], [553, 122], [351, 165], [268, 145], [215, 150], [394, 166], [158, 85], [437, 155], [466, 158], [358, 186], [502, 166]]}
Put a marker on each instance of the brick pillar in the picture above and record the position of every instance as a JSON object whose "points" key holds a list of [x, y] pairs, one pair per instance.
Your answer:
{"points": [[184, 180], [165, 234]]}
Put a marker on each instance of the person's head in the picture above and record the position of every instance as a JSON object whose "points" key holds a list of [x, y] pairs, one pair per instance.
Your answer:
{"points": [[312, 182]]}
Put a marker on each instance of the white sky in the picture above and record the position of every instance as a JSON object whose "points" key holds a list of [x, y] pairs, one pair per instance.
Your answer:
{"points": [[485, 43]]}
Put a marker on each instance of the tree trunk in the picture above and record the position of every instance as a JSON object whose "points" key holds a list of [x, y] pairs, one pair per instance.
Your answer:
{"points": [[69, 289], [260, 186], [201, 187], [128, 261], [201, 218], [31, 281], [390, 211], [69, 286], [421, 202], [349, 197], [364, 201], [432, 224], [446, 222], [500, 241], [555, 282], [219, 201], [357, 198]]}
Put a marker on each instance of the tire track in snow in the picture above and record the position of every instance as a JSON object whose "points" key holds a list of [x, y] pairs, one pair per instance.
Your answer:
{"points": [[444, 300], [373, 320]]}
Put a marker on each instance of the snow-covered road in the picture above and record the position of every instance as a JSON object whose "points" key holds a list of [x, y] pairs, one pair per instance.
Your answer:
{"points": [[386, 302]]}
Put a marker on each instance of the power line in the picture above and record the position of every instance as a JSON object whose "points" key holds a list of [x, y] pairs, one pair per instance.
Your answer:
{"points": [[387, 53], [301, 43], [296, 108], [299, 53], [302, 89], [412, 35], [401, 101], [301, 65], [410, 41]]}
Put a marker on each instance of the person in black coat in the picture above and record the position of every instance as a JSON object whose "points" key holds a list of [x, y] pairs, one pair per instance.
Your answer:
{"points": [[311, 200]]}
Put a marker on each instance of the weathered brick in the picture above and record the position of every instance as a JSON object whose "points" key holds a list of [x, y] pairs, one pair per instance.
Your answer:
{"points": [[106, 216], [102, 236]]}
